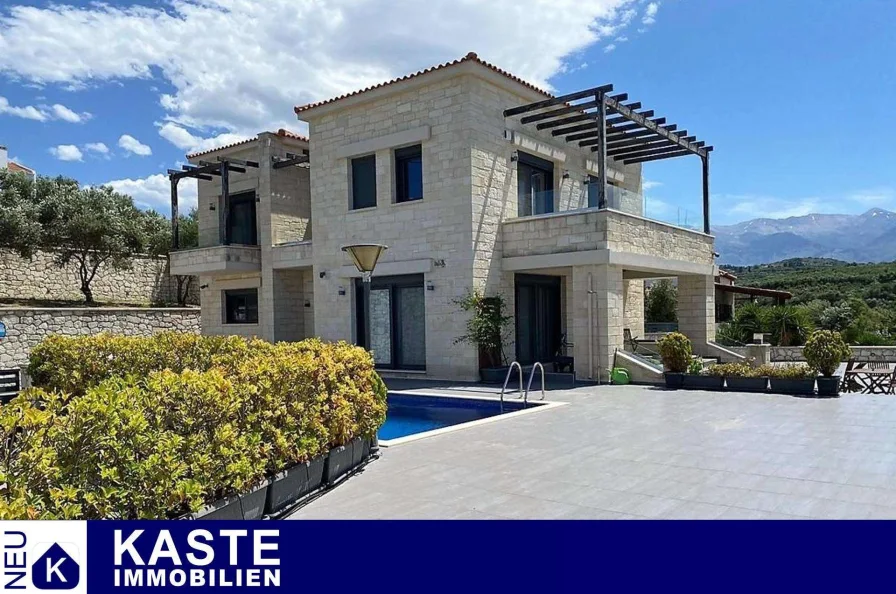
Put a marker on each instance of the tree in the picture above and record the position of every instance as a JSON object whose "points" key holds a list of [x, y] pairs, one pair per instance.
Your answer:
{"points": [[93, 227], [661, 303], [90, 226], [158, 242]]}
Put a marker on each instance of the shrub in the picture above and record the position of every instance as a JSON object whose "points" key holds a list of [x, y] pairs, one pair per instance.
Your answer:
{"points": [[825, 350], [675, 352], [486, 327], [789, 325], [211, 421], [695, 367], [790, 371], [730, 370]]}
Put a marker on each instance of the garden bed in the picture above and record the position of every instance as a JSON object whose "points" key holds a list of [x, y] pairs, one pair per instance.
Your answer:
{"points": [[178, 425]]}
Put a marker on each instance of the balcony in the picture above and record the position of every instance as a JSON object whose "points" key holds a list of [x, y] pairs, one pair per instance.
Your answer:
{"points": [[294, 254], [217, 260], [604, 236]]}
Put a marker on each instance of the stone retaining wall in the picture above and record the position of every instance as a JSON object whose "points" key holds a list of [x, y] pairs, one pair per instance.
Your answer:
{"points": [[25, 327], [147, 281], [859, 353]]}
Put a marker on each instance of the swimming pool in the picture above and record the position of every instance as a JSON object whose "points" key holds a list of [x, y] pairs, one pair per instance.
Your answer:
{"points": [[411, 414]]}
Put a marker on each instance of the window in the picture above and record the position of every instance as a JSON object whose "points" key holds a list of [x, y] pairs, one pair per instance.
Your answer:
{"points": [[408, 173], [535, 185], [241, 307], [364, 182], [593, 191], [240, 224]]}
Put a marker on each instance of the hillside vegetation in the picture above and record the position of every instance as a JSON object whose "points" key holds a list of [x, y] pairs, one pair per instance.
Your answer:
{"points": [[858, 300]]}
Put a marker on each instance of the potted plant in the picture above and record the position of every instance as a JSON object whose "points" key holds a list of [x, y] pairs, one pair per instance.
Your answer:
{"points": [[486, 328], [824, 351], [797, 379], [741, 377], [675, 352], [700, 378]]}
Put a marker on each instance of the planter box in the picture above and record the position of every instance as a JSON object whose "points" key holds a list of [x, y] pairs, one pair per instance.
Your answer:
{"points": [[357, 452], [253, 502], [366, 448], [493, 375], [674, 381], [228, 508], [798, 387], [294, 483], [703, 382], [747, 384], [828, 387], [339, 462]]}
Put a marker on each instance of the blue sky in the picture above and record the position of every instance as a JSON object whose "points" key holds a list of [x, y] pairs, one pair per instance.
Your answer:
{"points": [[795, 96]]}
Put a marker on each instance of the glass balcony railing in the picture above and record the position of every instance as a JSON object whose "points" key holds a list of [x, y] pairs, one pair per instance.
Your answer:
{"points": [[621, 199], [535, 203]]}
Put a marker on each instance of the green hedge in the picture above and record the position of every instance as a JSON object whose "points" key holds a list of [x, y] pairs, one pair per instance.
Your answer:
{"points": [[155, 427]]}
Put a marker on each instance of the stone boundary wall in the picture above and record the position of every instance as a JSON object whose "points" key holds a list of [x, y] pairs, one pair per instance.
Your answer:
{"points": [[25, 327], [147, 281], [859, 353]]}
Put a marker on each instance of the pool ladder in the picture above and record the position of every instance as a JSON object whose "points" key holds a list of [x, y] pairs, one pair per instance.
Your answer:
{"points": [[523, 394]]}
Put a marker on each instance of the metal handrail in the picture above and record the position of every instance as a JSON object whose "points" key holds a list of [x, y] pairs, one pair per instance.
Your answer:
{"points": [[507, 379], [537, 365]]}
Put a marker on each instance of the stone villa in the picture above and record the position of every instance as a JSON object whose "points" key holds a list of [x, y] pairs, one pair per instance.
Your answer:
{"points": [[464, 172]]}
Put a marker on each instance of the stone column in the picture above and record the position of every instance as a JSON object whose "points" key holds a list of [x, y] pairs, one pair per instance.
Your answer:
{"points": [[634, 306], [266, 317], [606, 321], [697, 310]]}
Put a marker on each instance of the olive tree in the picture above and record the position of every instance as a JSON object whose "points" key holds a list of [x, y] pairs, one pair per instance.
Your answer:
{"points": [[88, 226], [158, 243]]}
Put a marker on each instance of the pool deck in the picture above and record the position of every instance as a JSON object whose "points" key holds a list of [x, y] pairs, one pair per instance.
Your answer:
{"points": [[638, 452]]}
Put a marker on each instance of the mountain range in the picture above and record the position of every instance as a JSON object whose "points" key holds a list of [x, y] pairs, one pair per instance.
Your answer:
{"points": [[868, 237]]}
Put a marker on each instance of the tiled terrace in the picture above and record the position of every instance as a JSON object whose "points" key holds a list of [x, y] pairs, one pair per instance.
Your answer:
{"points": [[638, 452]]}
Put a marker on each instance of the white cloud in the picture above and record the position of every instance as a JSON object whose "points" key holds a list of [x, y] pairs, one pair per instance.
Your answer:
{"points": [[132, 145], [29, 112], [749, 206], [650, 13], [97, 147], [609, 48], [67, 152], [880, 197], [184, 140], [61, 112], [154, 192], [648, 184], [233, 68]]}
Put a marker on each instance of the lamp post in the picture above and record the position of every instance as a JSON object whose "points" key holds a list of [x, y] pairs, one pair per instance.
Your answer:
{"points": [[365, 256]]}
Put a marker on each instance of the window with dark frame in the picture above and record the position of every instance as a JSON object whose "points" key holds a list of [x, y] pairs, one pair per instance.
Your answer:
{"points": [[409, 173], [241, 307], [535, 185], [241, 219], [593, 192], [363, 182]]}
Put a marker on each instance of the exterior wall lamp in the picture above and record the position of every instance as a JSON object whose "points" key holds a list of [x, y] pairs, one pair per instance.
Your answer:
{"points": [[430, 286], [365, 257], [514, 156]]}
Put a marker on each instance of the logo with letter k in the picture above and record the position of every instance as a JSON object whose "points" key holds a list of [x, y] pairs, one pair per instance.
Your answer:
{"points": [[55, 570]]}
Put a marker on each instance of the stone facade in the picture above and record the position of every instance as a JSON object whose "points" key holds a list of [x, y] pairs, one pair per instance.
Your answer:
{"points": [[465, 233], [147, 281], [861, 354], [25, 327]]}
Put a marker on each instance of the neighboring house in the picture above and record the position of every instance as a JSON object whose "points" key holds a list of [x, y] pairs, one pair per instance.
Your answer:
{"points": [[5, 163], [466, 197], [727, 293]]}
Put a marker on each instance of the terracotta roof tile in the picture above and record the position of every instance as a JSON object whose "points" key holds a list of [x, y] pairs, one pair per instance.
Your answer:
{"points": [[470, 57], [13, 166], [281, 132]]}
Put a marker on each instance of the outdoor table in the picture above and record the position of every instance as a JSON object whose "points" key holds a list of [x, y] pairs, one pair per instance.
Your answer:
{"points": [[873, 381]]}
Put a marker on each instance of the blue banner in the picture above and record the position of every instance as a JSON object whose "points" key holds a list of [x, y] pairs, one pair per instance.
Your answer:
{"points": [[417, 556]]}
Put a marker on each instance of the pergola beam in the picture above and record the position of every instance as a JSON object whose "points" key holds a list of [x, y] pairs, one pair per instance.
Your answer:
{"points": [[672, 154], [637, 134], [557, 100], [241, 162], [640, 119]]}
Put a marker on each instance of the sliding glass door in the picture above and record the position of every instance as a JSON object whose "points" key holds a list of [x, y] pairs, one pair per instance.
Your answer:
{"points": [[397, 315]]}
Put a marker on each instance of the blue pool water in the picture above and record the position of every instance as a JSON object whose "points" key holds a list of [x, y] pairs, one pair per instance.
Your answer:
{"points": [[408, 415]]}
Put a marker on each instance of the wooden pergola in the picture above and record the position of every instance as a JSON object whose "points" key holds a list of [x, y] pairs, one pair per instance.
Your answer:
{"points": [[208, 170], [627, 136]]}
